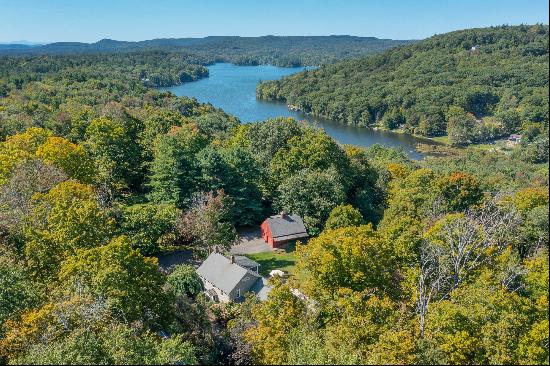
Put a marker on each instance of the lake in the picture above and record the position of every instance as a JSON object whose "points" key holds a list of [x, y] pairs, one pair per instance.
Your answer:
{"points": [[233, 89]]}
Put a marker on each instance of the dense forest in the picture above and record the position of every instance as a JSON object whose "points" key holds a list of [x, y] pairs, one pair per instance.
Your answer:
{"points": [[275, 50], [148, 68], [473, 85], [441, 261]]}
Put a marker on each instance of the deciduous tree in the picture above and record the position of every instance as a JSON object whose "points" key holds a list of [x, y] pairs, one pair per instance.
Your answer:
{"points": [[65, 219], [130, 283], [206, 225], [312, 194], [355, 258], [343, 216]]}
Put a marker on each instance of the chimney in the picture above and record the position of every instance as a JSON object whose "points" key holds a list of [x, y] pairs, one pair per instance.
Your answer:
{"points": [[232, 259]]}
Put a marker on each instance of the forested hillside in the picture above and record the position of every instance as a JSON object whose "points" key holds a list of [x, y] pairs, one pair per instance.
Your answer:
{"points": [[120, 72], [472, 85], [275, 50], [443, 261]]}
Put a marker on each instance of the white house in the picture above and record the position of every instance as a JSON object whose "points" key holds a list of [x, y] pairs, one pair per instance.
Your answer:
{"points": [[225, 280]]}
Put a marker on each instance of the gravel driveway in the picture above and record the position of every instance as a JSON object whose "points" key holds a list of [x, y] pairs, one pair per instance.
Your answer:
{"points": [[250, 242]]}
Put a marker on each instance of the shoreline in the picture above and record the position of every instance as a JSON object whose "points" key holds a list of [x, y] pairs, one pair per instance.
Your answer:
{"points": [[437, 140], [348, 134]]}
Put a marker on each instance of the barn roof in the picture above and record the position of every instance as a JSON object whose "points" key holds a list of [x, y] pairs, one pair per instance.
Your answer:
{"points": [[287, 227], [219, 271]]}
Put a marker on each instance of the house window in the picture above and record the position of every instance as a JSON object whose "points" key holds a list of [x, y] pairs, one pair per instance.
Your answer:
{"points": [[238, 293]]}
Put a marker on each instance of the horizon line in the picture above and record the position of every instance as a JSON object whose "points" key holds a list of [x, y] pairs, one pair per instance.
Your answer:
{"points": [[43, 43]]}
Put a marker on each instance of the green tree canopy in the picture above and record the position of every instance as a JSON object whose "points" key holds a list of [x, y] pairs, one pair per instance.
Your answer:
{"points": [[343, 216], [174, 170], [312, 195], [184, 280]]}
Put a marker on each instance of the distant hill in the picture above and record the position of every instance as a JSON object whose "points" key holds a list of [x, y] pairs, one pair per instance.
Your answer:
{"points": [[14, 46], [282, 51], [492, 80], [19, 45]]}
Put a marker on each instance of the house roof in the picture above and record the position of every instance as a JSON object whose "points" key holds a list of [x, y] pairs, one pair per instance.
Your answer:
{"points": [[287, 227], [219, 271], [246, 262]]}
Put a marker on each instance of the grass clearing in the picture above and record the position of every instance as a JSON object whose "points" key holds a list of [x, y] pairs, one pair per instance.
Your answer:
{"points": [[285, 260]]}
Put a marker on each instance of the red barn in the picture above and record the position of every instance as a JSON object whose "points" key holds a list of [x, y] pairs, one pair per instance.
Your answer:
{"points": [[280, 229]]}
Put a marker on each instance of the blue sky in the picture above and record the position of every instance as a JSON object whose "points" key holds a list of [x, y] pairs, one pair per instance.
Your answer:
{"points": [[132, 20]]}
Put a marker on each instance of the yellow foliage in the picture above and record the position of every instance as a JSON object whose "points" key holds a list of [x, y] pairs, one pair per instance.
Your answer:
{"points": [[394, 348], [26, 142], [38, 142], [398, 171], [529, 198], [533, 347], [275, 318], [66, 218], [459, 347], [19, 147], [71, 158], [29, 328], [354, 257]]}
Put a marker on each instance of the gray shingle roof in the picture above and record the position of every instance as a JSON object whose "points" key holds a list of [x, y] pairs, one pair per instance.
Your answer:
{"points": [[219, 271], [287, 227]]}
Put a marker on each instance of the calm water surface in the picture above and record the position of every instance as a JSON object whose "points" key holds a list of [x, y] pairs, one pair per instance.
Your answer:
{"points": [[233, 89]]}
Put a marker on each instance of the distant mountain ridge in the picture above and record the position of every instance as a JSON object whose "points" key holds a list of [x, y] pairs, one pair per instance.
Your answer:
{"points": [[19, 45], [108, 43], [283, 50]]}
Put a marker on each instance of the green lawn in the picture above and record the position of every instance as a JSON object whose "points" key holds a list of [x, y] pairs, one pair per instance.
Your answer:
{"points": [[441, 139], [283, 260]]}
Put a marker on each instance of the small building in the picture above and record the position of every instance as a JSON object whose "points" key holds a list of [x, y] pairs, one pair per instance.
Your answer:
{"points": [[280, 229], [247, 263], [514, 139], [225, 281]]}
